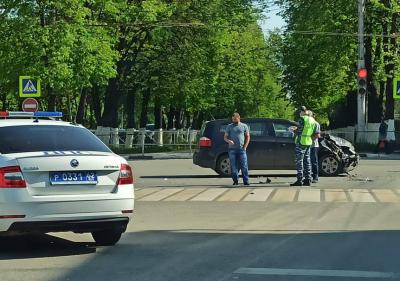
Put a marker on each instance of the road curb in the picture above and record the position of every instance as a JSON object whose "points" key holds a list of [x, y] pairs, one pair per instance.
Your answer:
{"points": [[394, 156]]}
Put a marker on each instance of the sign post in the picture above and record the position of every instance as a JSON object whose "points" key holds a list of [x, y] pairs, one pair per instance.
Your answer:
{"points": [[29, 87]]}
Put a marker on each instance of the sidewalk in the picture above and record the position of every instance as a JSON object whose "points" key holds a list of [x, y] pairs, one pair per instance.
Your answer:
{"points": [[160, 156], [187, 155]]}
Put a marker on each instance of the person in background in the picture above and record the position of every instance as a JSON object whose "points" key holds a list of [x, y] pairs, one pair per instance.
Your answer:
{"points": [[304, 133], [237, 135], [315, 148], [383, 142]]}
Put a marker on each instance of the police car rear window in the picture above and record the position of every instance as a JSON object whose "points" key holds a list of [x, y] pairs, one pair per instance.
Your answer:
{"points": [[16, 139]]}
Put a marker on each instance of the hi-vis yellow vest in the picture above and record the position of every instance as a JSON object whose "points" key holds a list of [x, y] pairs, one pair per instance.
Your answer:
{"points": [[308, 131]]}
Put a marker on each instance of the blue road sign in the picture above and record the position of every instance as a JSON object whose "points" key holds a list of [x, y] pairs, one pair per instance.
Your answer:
{"points": [[396, 88], [29, 87]]}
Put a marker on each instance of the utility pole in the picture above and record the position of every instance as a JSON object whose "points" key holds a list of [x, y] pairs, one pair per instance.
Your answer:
{"points": [[361, 99]]}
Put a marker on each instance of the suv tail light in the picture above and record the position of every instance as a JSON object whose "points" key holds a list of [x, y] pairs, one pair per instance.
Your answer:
{"points": [[125, 175], [11, 177], [205, 142]]}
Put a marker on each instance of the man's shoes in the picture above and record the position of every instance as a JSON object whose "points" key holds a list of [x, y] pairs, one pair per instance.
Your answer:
{"points": [[315, 181], [235, 183], [307, 183], [246, 183], [297, 183]]}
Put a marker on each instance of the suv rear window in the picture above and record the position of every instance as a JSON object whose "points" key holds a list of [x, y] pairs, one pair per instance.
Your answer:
{"points": [[257, 129], [207, 129], [16, 139]]}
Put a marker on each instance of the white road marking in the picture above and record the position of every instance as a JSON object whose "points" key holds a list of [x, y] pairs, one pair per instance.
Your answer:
{"points": [[263, 194], [317, 273], [145, 191], [234, 195], [335, 195], [361, 195], [160, 195], [386, 196], [309, 195], [185, 194], [260, 194], [209, 194], [284, 195]]}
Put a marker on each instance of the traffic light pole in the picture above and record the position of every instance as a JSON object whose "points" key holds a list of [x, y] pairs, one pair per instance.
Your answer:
{"points": [[361, 100]]}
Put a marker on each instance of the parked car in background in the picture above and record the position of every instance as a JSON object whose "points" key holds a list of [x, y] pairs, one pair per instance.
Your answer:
{"points": [[271, 147]]}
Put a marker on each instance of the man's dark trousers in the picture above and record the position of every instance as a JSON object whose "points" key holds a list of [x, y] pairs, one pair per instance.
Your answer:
{"points": [[314, 162], [238, 160], [303, 162]]}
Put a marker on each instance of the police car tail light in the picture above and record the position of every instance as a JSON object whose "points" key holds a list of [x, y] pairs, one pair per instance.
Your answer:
{"points": [[205, 142], [11, 177], [125, 175]]}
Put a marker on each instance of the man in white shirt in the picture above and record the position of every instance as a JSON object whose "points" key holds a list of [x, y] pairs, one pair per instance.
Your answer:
{"points": [[314, 149]]}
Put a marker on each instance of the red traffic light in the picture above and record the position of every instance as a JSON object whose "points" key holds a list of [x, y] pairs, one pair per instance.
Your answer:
{"points": [[362, 73]]}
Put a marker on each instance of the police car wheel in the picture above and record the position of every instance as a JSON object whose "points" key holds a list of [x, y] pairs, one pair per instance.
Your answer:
{"points": [[329, 165], [223, 166]]}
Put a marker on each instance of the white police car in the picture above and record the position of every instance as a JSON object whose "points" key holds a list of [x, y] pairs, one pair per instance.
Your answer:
{"points": [[56, 176]]}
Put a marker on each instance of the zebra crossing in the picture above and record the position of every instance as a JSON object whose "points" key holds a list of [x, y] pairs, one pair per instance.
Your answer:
{"points": [[268, 195]]}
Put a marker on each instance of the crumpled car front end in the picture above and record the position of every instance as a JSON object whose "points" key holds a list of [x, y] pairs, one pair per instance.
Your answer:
{"points": [[343, 150]]}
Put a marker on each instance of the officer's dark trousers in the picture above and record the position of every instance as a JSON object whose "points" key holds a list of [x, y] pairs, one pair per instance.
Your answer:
{"points": [[303, 162]]}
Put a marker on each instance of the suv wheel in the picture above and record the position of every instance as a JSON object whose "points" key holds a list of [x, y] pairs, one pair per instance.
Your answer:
{"points": [[329, 165], [107, 237], [223, 166]]}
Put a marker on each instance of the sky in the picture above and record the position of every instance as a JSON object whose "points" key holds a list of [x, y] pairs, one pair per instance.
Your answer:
{"points": [[273, 20]]}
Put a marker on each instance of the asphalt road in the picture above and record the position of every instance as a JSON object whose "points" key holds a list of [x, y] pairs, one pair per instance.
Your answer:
{"points": [[221, 241]]}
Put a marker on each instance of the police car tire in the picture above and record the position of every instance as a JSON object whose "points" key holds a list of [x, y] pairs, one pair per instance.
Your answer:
{"points": [[329, 158], [107, 237], [220, 167]]}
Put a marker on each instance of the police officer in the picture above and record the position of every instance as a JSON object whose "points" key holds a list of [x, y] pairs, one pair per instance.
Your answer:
{"points": [[304, 133]]}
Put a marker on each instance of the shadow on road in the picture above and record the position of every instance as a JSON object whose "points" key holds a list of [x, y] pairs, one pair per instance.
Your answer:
{"points": [[199, 255], [40, 246]]}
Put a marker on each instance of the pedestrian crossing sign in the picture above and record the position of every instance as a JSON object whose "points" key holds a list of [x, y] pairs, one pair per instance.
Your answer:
{"points": [[396, 88], [29, 87]]}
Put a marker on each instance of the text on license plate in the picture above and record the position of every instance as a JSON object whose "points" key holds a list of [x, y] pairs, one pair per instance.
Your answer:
{"points": [[78, 177]]}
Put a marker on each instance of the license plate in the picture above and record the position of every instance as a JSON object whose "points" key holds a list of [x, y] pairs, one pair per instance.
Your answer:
{"points": [[78, 177]]}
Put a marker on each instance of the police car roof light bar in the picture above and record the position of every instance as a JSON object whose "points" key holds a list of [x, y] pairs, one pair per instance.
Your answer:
{"points": [[38, 114], [48, 114]]}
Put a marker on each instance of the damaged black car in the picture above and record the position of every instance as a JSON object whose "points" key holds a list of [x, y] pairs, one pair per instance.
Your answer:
{"points": [[272, 147]]}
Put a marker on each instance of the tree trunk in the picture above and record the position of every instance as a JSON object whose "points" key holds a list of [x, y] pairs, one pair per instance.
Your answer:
{"points": [[4, 102], [130, 109], [171, 115], [157, 113], [392, 48], [96, 104], [178, 119], [198, 120], [111, 104], [51, 102], [80, 114], [145, 107]]}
